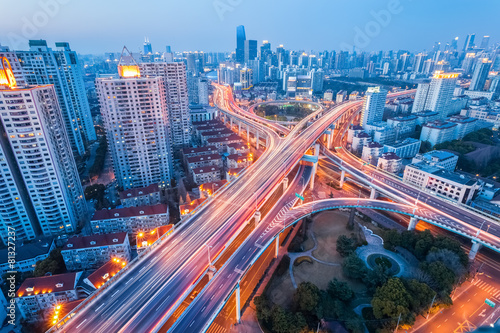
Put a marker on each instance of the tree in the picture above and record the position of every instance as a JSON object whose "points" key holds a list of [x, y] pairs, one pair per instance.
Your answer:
{"points": [[421, 295], [53, 264], [443, 277], [353, 267], [444, 242], [263, 308], [340, 290], [391, 300], [329, 307], [95, 192], [425, 146], [375, 277], [449, 258], [306, 297], [423, 245], [280, 320], [392, 238], [345, 245]]}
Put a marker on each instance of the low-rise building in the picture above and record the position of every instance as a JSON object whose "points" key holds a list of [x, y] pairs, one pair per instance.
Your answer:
{"points": [[206, 174], [27, 255], [424, 117], [371, 152], [36, 296], [328, 95], [187, 208], [389, 162], [207, 189], [102, 275], [407, 148], [204, 160], [238, 160], [453, 186], [200, 113], [146, 239], [221, 143], [219, 133], [341, 96], [131, 219], [142, 196], [237, 148], [438, 131], [360, 140], [438, 158], [89, 252], [352, 131], [233, 173]]}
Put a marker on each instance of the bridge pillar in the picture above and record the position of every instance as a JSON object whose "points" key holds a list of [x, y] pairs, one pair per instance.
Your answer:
{"points": [[257, 216], [257, 139], [329, 140], [311, 183], [267, 141], [473, 250], [413, 223], [277, 246], [248, 133], [239, 128], [316, 150], [285, 184], [211, 272], [231, 123], [238, 313], [373, 193], [342, 178]]}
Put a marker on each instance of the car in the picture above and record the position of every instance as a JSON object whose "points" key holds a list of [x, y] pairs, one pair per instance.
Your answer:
{"points": [[194, 294]]}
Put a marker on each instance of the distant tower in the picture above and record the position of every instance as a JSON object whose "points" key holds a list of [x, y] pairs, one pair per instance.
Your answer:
{"points": [[454, 44], [485, 42], [240, 44], [469, 42], [147, 46], [480, 75]]}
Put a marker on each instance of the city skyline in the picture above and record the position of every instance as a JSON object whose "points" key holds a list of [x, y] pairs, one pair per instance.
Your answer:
{"points": [[211, 26]]}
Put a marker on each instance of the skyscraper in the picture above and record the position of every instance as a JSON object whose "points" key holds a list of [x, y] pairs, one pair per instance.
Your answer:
{"points": [[469, 42], [373, 105], [40, 66], [437, 95], [136, 119], [240, 44], [454, 44], [174, 76], [485, 42], [148, 49], [250, 50], [39, 178], [480, 75]]}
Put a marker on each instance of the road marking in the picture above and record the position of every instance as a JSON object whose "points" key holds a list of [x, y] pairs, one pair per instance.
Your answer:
{"points": [[203, 308], [162, 303], [115, 293], [81, 323], [191, 323], [129, 281], [100, 306], [142, 269], [211, 298]]}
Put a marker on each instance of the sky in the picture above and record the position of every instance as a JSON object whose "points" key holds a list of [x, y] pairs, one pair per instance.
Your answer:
{"points": [[98, 26]]}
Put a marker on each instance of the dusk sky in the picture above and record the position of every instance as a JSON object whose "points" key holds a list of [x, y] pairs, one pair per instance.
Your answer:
{"points": [[209, 25]]}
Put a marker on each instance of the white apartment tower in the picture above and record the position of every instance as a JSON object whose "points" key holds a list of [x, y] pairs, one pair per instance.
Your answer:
{"points": [[176, 89], [373, 106], [136, 119], [41, 190], [40, 66], [437, 95]]}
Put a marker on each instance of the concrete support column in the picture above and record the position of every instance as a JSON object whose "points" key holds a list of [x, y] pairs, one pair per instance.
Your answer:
{"points": [[285, 184], [238, 313], [373, 193], [473, 250], [257, 216], [231, 123], [342, 178], [329, 140], [315, 167], [316, 150], [257, 139], [239, 128], [277, 247], [248, 133], [413, 223]]}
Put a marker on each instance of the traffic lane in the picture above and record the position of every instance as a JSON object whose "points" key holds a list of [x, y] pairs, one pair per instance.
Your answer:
{"points": [[211, 297]]}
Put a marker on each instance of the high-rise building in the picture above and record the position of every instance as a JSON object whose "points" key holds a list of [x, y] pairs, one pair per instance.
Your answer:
{"points": [[42, 65], [39, 180], [317, 77], [240, 44], [265, 50], [485, 42], [148, 49], [454, 44], [174, 75], [246, 78], [480, 75], [469, 42], [437, 95], [418, 64], [250, 50], [373, 105], [136, 119]]}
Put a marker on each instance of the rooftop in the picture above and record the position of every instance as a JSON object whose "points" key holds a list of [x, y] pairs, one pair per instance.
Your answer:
{"points": [[362, 135], [212, 185], [136, 192], [405, 142], [231, 138], [405, 118], [442, 173], [109, 214], [438, 124], [462, 119], [440, 155], [188, 151], [206, 157], [390, 156], [83, 242], [426, 113], [206, 169], [29, 250], [48, 284], [374, 145], [106, 271]]}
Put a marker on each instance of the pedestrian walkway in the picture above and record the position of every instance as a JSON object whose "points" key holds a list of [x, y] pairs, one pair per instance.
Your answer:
{"points": [[492, 290]]}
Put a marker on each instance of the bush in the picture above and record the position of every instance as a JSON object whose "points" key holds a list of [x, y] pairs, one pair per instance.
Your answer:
{"points": [[283, 265], [302, 259], [346, 245]]}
